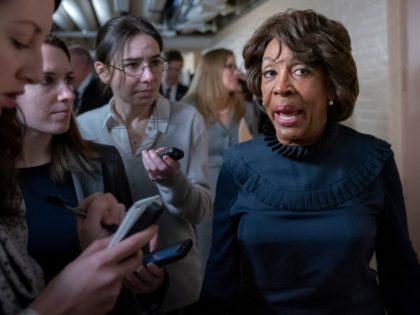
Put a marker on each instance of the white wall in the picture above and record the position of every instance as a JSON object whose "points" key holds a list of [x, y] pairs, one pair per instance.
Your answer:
{"points": [[411, 118], [377, 30], [366, 21]]}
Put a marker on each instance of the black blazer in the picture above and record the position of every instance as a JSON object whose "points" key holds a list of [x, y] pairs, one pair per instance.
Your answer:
{"points": [[181, 90], [94, 96]]}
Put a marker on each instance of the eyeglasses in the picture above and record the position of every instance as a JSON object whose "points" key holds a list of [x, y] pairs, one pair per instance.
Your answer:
{"points": [[231, 66], [136, 69]]}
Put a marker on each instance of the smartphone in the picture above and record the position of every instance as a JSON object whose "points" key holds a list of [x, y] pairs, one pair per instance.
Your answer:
{"points": [[169, 254], [141, 214], [175, 153]]}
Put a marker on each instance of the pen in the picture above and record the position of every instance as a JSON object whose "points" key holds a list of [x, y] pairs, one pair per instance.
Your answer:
{"points": [[57, 201]]}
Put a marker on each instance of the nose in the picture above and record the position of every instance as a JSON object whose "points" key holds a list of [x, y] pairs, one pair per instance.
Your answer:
{"points": [[31, 72], [65, 93], [283, 85], [147, 74]]}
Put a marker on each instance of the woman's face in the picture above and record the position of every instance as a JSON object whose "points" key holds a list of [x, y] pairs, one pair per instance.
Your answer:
{"points": [[141, 90], [47, 106], [230, 75], [23, 26], [295, 96]]}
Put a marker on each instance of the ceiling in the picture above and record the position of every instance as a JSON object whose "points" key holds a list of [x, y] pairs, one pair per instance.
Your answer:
{"points": [[184, 24]]}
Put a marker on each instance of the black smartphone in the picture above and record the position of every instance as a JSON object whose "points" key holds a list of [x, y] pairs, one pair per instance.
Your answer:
{"points": [[169, 254], [175, 153]]}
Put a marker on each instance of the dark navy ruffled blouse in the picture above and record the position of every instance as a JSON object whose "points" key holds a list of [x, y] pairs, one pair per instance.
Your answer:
{"points": [[295, 229]]}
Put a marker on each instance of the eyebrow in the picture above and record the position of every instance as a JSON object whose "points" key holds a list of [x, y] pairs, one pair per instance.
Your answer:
{"points": [[54, 73], [269, 59], [29, 23], [139, 59]]}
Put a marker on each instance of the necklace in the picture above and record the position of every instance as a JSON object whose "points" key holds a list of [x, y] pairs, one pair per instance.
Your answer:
{"points": [[135, 138]]}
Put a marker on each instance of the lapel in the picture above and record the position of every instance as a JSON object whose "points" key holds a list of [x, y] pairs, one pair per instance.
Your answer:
{"points": [[86, 186]]}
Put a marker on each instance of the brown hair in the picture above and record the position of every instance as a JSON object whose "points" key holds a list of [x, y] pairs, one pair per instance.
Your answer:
{"points": [[207, 90], [316, 41], [113, 36], [69, 151], [10, 148], [173, 55]]}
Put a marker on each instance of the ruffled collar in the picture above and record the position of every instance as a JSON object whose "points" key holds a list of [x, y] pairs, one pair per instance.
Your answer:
{"points": [[331, 177], [297, 152]]}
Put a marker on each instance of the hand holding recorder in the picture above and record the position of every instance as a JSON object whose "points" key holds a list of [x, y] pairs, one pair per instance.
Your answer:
{"points": [[162, 163]]}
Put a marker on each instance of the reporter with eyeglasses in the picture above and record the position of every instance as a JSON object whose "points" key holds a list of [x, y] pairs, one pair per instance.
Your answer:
{"points": [[140, 123]]}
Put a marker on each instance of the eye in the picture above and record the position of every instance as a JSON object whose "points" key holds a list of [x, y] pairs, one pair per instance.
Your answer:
{"points": [[18, 45], [69, 80], [132, 65], [302, 71], [48, 80], [269, 73], [231, 67], [156, 62]]}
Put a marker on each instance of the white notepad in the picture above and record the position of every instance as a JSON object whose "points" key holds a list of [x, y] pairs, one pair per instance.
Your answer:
{"points": [[133, 214]]}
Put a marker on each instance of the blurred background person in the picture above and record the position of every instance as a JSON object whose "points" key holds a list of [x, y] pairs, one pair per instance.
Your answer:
{"points": [[140, 123], [216, 93], [171, 86], [89, 90]]}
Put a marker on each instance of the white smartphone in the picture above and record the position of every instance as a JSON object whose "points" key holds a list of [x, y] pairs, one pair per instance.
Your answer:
{"points": [[141, 214]]}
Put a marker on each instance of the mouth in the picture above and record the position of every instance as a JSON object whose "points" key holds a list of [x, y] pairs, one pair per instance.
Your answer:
{"points": [[15, 93], [150, 91], [63, 113], [9, 99], [287, 115]]}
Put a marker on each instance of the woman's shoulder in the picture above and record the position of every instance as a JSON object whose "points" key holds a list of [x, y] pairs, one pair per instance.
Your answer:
{"points": [[360, 138], [183, 107], [360, 147], [94, 114], [185, 113], [252, 150]]}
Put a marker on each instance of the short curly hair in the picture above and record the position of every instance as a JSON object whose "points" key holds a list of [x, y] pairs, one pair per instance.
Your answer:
{"points": [[315, 40]]}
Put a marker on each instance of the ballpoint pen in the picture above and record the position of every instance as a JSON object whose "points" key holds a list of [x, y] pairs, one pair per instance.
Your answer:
{"points": [[57, 201]]}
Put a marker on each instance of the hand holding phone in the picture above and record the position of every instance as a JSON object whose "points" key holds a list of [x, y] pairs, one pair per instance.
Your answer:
{"points": [[175, 153], [140, 215], [169, 254]]}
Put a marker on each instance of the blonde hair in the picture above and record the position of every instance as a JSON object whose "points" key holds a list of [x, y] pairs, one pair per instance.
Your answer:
{"points": [[207, 90]]}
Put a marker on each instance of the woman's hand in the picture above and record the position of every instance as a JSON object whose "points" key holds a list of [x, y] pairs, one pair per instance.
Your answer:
{"points": [[159, 167], [102, 209], [146, 279], [91, 283]]}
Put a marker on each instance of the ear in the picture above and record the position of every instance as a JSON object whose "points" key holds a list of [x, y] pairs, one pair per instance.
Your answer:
{"points": [[331, 92], [102, 71]]}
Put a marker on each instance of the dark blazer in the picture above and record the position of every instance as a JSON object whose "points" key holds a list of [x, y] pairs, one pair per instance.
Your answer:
{"points": [[109, 176], [94, 96], [181, 90]]}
